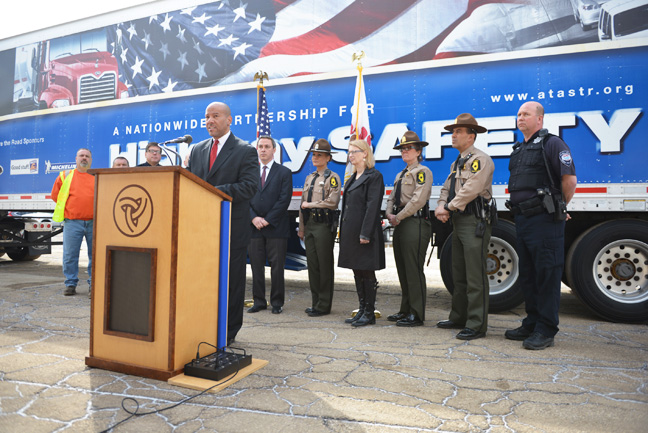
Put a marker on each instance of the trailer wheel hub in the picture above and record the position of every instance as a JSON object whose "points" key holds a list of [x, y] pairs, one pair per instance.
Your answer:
{"points": [[621, 270]]}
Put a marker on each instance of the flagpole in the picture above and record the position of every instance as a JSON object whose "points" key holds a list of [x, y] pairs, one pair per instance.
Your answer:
{"points": [[358, 57], [259, 76], [358, 98]]}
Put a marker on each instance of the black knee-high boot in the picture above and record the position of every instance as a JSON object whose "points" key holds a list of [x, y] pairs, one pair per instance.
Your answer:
{"points": [[360, 290], [370, 290]]}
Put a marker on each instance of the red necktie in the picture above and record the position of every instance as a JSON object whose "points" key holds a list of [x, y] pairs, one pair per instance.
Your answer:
{"points": [[263, 176], [213, 153]]}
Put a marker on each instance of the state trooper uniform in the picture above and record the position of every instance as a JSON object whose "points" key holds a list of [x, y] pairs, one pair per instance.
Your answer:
{"points": [[319, 227], [466, 194], [409, 204]]}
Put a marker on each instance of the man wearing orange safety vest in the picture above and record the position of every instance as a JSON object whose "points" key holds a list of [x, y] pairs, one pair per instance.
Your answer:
{"points": [[73, 193]]}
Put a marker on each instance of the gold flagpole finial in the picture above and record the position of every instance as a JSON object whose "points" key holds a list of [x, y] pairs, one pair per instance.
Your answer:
{"points": [[357, 56], [261, 76]]}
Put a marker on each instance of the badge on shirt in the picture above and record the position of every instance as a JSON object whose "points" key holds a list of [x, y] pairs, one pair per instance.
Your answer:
{"points": [[420, 178], [565, 158], [475, 166], [334, 182]]}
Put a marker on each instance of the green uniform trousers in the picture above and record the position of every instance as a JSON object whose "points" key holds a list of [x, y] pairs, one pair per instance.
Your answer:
{"points": [[410, 242], [471, 288], [319, 240]]}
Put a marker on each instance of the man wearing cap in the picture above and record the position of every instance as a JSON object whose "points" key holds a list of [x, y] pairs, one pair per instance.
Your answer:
{"points": [[542, 182], [465, 196], [408, 211], [318, 220]]}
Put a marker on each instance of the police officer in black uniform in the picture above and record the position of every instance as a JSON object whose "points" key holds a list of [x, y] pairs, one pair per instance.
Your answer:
{"points": [[542, 182]]}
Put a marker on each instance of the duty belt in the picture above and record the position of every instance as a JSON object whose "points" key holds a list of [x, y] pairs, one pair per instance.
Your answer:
{"points": [[527, 208], [323, 215], [421, 213]]}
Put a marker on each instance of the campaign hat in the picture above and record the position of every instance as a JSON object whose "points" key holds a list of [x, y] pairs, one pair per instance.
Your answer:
{"points": [[321, 146], [410, 138], [466, 120]]}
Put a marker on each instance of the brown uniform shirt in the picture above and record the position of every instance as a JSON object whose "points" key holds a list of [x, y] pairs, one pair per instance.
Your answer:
{"points": [[416, 188], [326, 193], [474, 178]]}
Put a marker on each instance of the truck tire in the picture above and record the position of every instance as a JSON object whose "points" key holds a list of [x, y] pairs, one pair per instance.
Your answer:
{"points": [[607, 268], [21, 255], [501, 265]]}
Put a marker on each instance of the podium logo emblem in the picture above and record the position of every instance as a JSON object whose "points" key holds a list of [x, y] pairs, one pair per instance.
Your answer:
{"points": [[133, 211]]}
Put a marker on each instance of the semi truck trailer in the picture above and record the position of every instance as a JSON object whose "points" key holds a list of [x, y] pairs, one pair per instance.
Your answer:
{"points": [[484, 58]]}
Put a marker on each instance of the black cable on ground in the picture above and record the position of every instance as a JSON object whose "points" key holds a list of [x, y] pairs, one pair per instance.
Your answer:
{"points": [[137, 406]]}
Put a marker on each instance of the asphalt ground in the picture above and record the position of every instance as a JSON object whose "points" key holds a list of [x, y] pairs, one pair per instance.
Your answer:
{"points": [[324, 375]]}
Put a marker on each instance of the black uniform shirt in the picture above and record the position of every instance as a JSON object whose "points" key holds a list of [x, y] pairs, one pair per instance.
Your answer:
{"points": [[560, 163]]}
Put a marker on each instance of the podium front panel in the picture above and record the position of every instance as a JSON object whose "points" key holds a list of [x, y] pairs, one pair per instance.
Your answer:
{"points": [[160, 228], [134, 211]]}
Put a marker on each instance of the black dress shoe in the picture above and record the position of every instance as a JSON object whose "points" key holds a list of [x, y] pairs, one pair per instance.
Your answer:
{"points": [[448, 324], [537, 341], [469, 334], [308, 310], [409, 321], [396, 317], [316, 313], [257, 308], [518, 334], [276, 310]]}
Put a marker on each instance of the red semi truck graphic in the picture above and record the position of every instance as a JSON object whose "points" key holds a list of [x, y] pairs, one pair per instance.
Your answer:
{"points": [[71, 70]]}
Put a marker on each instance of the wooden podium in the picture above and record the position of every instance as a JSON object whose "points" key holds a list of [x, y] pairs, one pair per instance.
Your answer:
{"points": [[159, 270]]}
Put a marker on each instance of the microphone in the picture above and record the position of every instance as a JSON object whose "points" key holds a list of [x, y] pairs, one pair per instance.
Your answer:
{"points": [[186, 139]]}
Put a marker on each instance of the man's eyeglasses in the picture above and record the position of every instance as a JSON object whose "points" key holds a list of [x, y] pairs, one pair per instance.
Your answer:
{"points": [[154, 152]]}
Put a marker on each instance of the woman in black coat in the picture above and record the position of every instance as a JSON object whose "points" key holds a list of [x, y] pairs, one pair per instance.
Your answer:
{"points": [[362, 245]]}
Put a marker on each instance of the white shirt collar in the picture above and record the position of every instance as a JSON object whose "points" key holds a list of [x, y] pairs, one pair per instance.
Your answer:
{"points": [[223, 139], [269, 165]]}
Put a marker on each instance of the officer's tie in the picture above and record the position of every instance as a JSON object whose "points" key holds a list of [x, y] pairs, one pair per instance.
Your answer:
{"points": [[310, 190], [397, 190], [453, 180]]}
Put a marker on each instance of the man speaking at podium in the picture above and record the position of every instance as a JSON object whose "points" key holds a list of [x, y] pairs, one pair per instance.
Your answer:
{"points": [[232, 166]]}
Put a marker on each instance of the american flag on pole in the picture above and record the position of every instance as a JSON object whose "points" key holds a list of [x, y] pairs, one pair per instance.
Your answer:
{"points": [[263, 123], [228, 41]]}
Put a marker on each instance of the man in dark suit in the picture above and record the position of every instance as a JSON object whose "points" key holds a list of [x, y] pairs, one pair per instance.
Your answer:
{"points": [[270, 227], [231, 165]]}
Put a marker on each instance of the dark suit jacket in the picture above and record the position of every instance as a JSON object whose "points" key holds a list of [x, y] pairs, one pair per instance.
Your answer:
{"points": [[361, 218], [271, 202], [236, 173]]}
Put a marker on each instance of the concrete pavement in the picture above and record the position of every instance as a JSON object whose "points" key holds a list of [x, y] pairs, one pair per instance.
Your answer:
{"points": [[323, 375]]}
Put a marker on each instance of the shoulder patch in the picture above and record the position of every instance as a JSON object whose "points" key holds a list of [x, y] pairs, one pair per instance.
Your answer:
{"points": [[420, 177], [565, 158], [333, 182], [475, 166]]}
